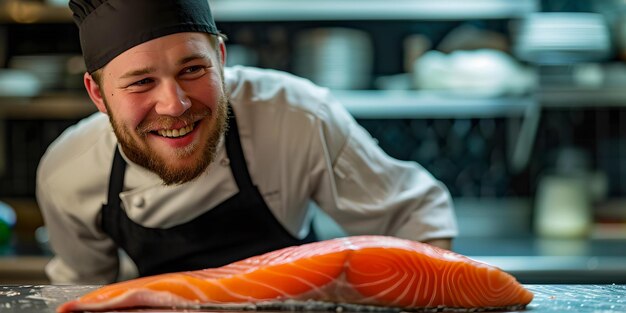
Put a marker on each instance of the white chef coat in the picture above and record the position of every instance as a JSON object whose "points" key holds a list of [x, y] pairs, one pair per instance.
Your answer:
{"points": [[300, 144]]}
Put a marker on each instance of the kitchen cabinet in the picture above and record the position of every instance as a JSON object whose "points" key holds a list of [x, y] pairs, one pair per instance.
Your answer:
{"points": [[60, 104], [379, 103], [523, 113]]}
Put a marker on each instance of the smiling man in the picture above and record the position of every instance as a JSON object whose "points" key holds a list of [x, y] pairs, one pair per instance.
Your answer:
{"points": [[190, 164]]}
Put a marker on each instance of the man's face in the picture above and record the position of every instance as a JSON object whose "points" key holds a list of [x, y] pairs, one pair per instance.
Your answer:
{"points": [[166, 101]]}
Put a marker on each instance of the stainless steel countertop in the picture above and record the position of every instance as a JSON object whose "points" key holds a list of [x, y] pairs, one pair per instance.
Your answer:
{"points": [[548, 298]]}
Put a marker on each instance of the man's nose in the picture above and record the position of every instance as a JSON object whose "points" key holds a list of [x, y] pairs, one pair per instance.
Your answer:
{"points": [[173, 100]]}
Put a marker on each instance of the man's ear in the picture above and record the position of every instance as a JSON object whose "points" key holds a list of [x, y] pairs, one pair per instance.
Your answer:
{"points": [[94, 91], [222, 48]]}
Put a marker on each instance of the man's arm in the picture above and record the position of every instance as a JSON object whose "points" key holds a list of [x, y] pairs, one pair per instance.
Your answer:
{"points": [[82, 253], [79, 256], [370, 192]]}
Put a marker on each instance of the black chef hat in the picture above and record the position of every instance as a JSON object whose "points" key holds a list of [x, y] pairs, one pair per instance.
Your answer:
{"points": [[109, 27]]}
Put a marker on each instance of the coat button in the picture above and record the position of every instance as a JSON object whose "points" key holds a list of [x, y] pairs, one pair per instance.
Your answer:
{"points": [[225, 162], [139, 202]]}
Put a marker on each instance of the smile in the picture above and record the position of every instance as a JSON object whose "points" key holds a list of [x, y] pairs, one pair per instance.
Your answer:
{"points": [[175, 133]]}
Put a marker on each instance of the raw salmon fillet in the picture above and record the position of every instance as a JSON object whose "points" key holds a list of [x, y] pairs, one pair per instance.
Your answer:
{"points": [[363, 270]]}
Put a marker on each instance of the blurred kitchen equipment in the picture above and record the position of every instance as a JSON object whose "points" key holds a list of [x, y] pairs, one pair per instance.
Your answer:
{"points": [[337, 58], [18, 83], [414, 45], [60, 3], [563, 207], [565, 197], [614, 11], [241, 55], [7, 222], [43, 239], [481, 73], [54, 71], [470, 37], [563, 38]]}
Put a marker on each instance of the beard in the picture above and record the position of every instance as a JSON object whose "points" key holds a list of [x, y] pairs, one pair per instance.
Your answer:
{"points": [[142, 154]]}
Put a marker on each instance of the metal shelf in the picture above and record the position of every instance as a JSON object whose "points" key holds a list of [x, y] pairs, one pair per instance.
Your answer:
{"points": [[298, 10], [421, 104], [360, 103], [64, 105], [307, 10]]}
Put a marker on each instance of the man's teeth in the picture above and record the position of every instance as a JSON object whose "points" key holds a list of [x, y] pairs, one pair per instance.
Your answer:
{"points": [[173, 133]]}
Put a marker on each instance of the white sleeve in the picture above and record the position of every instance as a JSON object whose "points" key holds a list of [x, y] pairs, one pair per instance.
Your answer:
{"points": [[373, 193], [82, 256]]}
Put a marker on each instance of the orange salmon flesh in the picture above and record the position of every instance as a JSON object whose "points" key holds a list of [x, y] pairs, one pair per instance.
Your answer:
{"points": [[364, 270]]}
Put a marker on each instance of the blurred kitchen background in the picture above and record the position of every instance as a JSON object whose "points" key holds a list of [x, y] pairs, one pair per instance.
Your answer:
{"points": [[518, 106]]}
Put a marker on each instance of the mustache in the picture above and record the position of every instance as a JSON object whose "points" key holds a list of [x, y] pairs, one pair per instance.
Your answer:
{"points": [[166, 122]]}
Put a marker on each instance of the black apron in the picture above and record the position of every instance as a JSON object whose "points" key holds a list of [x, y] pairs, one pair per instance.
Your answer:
{"points": [[240, 227]]}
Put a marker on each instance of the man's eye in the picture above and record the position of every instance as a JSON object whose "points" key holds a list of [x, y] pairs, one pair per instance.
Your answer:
{"points": [[193, 69], [142, 82]]}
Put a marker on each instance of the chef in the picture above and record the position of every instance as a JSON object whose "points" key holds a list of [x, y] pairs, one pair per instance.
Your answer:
{"points": [[189, 164]]}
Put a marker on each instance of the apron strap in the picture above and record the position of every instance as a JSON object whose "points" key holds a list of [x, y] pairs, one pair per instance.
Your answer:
{"points": [[116, 180], [234, 151]]}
